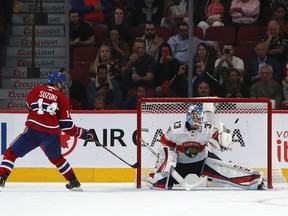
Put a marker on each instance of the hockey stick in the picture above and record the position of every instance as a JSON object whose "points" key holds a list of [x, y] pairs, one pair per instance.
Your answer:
{"points": [[96, 142], [176, 175]]}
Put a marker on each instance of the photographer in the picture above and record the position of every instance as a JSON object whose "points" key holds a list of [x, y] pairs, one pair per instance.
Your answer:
{"points": [[227, 61]]}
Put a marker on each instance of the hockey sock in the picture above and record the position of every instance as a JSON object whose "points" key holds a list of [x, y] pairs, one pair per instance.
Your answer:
{"points": [[7, 163], [64, 167]]}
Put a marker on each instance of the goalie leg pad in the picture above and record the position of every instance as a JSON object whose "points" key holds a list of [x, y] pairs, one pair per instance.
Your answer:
{"points": [[235, 175], [159, 177], [158, 180], [166, 159]]}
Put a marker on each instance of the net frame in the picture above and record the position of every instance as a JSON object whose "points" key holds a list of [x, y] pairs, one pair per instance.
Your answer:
{"points": [[206, 100]]}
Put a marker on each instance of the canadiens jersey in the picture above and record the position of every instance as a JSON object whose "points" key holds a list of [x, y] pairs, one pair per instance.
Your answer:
{"points": [[49, 111], [191, 145]]}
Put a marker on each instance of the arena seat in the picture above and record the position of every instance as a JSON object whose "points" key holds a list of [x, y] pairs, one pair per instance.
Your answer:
{"points": [[80, 72], [99, 33], [221, 33], [163, 32], [250, 35], [84, 55]]}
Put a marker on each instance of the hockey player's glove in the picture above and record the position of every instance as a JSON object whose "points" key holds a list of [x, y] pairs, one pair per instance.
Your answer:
{"points": [[85, 134]]}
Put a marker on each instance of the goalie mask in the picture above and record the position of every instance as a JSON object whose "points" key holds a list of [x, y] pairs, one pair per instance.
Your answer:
{"points": [[194, 116]]}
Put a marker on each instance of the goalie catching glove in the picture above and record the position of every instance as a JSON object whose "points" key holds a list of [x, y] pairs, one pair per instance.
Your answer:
{"points": [[222, 140]]}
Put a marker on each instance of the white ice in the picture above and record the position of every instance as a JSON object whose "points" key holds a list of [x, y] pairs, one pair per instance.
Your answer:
{"points": [[117, 199]]}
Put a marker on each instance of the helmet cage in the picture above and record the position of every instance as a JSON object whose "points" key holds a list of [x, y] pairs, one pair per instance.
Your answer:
{"points": [[194, 116]]}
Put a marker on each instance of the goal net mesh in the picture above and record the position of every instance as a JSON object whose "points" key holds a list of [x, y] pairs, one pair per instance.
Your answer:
{"points": [[248, 120]]}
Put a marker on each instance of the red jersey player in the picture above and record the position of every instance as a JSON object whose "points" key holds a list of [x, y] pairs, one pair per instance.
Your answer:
{"points": [[49, 113]]}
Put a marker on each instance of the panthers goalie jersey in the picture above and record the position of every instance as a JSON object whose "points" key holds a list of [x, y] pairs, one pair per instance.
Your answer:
{"points": [[190, 143]]}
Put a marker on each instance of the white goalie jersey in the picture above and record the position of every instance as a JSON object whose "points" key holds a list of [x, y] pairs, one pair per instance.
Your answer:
{"points": [[191, 145]]}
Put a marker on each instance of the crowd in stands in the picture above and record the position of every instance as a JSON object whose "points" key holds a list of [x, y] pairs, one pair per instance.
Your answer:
{"points": [[141, 49]]}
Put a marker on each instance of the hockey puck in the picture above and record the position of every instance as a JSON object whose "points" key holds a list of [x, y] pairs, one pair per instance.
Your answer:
{"points": [[236, 120]]}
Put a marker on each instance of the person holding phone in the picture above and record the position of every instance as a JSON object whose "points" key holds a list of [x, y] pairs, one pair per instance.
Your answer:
{"points": [[227, 61], [165, 69]]}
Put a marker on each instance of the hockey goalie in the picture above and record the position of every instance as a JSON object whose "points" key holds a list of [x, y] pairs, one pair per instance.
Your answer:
{"points": [[185, 151]]}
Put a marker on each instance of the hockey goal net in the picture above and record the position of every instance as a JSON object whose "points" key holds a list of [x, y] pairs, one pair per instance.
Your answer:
{"points": [[249, 120]]}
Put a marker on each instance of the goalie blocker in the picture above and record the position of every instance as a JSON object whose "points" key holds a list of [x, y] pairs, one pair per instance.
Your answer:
{"points": [[190, 140]]}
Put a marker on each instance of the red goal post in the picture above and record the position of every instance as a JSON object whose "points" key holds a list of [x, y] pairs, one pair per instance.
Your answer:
{"points": [[250, 122]]}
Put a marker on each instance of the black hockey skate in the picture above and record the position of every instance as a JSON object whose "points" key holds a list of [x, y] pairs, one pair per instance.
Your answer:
{"points": [[74, 185], [2, 181]]}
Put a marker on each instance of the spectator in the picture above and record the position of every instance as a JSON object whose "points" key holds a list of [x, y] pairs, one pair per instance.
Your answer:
{"points": [[214, 13], [276, 45], [90, 10], [130, 11], [103, 85], [80, 32], [179, 44], [244, 12], [266, 87], [120, 49], [281, 16], [175, 12], [253, 72], [233, 87], [104, 56], [130, 103], [203, 89], [149, 11], [118, 21], [226, 61], [99, 103], [141, 65], [203, 67], [152, 40], [165, 69]]}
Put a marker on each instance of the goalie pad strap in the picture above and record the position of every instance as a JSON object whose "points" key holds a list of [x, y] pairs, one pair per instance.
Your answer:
{"points": [[171, 144]]}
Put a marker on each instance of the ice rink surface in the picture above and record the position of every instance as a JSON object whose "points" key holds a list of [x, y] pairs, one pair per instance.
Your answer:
{"points": [[123, 199]]}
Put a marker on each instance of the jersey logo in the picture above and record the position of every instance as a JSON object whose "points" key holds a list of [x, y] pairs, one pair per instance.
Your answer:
{"points": [[192, 149]]}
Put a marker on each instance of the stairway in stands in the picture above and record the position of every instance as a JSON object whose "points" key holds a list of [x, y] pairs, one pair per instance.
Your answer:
{"points": [[19, 76]]}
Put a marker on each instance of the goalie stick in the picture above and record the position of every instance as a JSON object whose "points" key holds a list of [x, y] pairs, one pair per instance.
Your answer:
{"points": [[176, 175], [96, 142]]}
